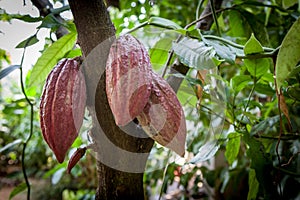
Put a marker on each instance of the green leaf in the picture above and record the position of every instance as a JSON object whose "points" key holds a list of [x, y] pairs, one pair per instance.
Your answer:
{"points": [[4, 16], [6, 71], [288, 3], [159, 52], [50, 57], [54, 169], [20, 188], [236, 23], [223, 51], [9, 145], [186, 94], [255, 24], [288, 55], [206, 152], [73, 53], [253, 185], [50, 21], [195, 54], [232, 147], [57, 176], [257, 67], [261, 162], [163, 22], [262, 126], [240, 82], [294, 92], [253, 46], [28, 42], [264, 89]]}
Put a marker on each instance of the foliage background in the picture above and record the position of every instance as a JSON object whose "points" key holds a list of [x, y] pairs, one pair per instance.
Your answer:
{"points": [[256, 153]]}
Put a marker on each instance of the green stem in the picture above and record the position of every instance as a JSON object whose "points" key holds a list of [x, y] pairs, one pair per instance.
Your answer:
{"points": [[200, 3]]}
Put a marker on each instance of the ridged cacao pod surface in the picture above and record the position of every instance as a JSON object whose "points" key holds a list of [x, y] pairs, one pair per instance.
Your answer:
{"points": [[62, 106], [163, 117], [128, 79]]}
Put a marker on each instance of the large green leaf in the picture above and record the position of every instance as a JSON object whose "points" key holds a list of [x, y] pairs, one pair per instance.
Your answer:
{"points": [[288, 55], [195, 54], [50, 57], [257, 67]]}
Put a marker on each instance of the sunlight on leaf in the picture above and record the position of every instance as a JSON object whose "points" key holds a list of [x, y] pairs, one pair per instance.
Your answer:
{"points": [[50, 57], [159, 52]]}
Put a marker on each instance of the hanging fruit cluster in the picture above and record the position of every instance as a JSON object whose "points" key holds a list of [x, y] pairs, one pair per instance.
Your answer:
{"points": [[135, 91]]}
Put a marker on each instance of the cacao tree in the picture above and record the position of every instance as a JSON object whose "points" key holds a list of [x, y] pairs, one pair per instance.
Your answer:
{"points": [[235, 117]]}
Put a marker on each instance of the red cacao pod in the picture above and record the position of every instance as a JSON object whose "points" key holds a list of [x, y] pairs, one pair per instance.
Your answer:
{"points": [[62, 106], [77, 155], [128, 81], [163, 117]]}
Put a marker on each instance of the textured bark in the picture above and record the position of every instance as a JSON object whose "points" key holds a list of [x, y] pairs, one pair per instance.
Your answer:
{"points": [[95, 28]]}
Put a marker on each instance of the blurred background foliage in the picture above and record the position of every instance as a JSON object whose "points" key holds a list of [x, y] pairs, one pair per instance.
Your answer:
{"points": [[242, 161]]}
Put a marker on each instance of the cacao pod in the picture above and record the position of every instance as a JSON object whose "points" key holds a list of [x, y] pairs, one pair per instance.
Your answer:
{"points": [[163, 117], [62, 106], [77, 155], [128, 81]]}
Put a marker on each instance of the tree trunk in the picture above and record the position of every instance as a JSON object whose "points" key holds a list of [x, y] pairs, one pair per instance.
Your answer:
{"points": [[121, 154]]}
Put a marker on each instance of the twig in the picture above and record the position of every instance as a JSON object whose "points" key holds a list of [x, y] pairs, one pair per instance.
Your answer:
{"points": [[290, 160]]}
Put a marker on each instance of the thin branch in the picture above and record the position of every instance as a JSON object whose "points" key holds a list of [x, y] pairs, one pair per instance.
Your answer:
{"points": [[290, 160], [214, 14], [31, 121]]}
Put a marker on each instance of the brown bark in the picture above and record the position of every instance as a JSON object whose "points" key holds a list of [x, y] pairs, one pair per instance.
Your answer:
{"points": [[121, 157]]}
